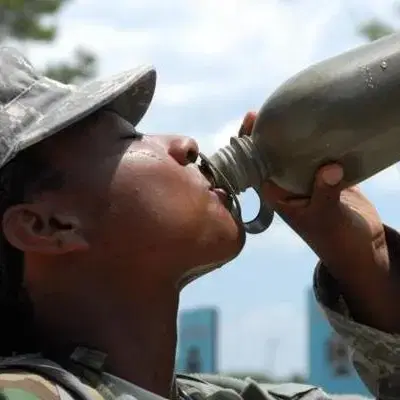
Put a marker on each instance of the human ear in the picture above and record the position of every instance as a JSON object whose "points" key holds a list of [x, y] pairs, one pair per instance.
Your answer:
{"points": [[32, 228]]}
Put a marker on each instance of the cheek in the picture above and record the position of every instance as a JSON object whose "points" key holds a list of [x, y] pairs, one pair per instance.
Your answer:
{"points": [[156, 208], [157, 197]]}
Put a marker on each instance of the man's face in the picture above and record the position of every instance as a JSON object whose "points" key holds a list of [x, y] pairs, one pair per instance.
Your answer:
{"points": [[139, 202]]}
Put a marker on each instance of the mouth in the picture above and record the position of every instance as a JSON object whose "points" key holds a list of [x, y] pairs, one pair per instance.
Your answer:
{"points": [[223, 194], [221, 187], [207, 173]]}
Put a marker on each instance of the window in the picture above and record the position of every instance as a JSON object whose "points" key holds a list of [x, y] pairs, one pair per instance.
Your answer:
{"points": [[338, 356]]}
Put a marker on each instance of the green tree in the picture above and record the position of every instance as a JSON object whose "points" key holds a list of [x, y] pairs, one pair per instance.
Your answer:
{"points": [[82, 68], [375, 29], [33, 20]]}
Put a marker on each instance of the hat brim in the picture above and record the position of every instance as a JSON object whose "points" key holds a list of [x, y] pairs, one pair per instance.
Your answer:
{"points": [[129, 94]]}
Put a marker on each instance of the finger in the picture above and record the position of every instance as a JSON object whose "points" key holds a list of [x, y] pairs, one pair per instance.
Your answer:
{"points": [[281, 198], [327, 187], [247, 124], [355, 189], [274, 194], [296, 202], [289, 207]]}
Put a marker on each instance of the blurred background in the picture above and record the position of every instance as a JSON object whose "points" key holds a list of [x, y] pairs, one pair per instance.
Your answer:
{"points": [[216, 60]]}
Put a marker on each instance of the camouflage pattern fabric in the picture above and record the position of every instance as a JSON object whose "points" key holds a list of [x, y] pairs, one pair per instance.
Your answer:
{"points": [[22, 385], [28, 386], [33, 107], [375, 354], [208, 387]]}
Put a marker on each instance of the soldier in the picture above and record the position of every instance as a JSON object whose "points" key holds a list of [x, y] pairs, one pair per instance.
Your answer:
{"points": [[102, 226]]}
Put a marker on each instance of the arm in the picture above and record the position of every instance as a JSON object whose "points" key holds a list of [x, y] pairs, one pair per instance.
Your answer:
{"points": [[375, 353], [358, 282], [344, 229], [366, 275]]}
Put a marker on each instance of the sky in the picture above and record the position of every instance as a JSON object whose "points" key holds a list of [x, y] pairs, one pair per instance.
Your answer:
{"points": [[216, 60]]}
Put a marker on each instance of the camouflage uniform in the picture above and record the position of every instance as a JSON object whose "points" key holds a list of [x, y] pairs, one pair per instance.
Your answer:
{"points": [[32, 378], [33, 108]]}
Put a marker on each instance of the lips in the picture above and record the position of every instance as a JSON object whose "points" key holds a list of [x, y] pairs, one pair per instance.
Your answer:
{"points": [[223, 195], [205, 170]]}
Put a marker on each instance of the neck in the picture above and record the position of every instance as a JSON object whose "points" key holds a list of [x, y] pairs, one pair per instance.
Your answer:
{"points": [[137, 331], [142, 350]]}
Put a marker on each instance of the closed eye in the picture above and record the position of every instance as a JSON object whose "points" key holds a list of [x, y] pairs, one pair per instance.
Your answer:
{"points": [[134, 135]]}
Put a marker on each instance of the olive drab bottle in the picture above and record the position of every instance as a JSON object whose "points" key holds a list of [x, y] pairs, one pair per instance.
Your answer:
{"points": [[345, 109]]}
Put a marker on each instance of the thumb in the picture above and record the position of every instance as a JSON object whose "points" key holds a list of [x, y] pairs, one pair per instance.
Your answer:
{"points": [[247, 124], [327, 187]]}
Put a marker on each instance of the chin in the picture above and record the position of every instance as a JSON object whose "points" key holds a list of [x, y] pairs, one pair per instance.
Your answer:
{"points": [[225, 253], [226, 249], [232, 250], [214, 253]]}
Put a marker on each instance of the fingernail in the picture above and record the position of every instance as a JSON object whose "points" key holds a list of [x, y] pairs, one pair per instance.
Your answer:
{"points": [[332, 176], [247, 124]]}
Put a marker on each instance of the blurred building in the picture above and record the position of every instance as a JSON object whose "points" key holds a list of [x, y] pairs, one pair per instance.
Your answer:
{"points": [[197, 341], [328, 358]]}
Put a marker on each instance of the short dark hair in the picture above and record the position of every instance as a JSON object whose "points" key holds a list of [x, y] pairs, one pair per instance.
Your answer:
{"points": [[27, 174]]}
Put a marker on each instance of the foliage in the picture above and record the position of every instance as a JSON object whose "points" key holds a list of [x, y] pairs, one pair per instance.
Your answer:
{"points": [[33, 20], [375, 28]]}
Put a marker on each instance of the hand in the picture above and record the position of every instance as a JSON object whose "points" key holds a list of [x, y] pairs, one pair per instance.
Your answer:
{"points": [[332, 215], [345, 231], [336, 223]]}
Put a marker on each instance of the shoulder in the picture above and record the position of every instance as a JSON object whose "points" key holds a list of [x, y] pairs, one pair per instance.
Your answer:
{"points": [[31, 378], [201, 386], [27, 386]]}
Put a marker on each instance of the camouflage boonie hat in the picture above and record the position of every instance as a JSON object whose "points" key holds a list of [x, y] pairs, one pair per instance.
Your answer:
{"points": [[34, 107]]}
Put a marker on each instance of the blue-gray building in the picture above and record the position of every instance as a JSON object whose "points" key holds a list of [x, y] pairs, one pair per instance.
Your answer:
{"points": [[197, 341]]}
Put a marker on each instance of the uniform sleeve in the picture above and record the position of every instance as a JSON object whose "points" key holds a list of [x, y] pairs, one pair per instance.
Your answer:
{"points": [[26, 386], [375, 354]]}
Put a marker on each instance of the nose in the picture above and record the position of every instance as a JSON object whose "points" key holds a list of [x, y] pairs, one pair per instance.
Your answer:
{"points": [[183, 149]]}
